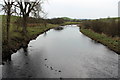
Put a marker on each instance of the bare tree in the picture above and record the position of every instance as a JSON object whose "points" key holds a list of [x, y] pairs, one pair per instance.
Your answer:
{"points": [[26, 7], [45, 21], [37, 11], [7, 7]]}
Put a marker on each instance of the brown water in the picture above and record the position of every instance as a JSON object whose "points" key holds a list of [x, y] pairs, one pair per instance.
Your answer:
{"points": [[66, 54]]}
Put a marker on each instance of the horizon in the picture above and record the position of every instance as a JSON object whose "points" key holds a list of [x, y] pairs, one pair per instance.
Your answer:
{"points": [[72, 18]]}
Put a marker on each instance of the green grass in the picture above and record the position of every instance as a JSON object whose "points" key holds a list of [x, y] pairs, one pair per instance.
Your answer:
{"points": [[17, 38], [70, 23], [112, 43], [31, 30], [39, 29]]}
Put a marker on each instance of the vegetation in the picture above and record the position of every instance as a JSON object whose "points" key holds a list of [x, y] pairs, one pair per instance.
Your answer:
{"points": [[22, 9], [17, 38], [112, 43], [0, 40], [35, 26], [8, 10], [25, 8], [59, 21], [67, 19], [55, 21], [107, 26], [104, 31], [70, 23]]}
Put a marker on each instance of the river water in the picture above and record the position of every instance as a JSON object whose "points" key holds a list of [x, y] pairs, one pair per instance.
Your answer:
{"points": [[65, 53]]}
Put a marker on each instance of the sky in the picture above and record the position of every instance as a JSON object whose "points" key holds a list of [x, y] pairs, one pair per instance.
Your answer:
{"points": [[81, 9]]}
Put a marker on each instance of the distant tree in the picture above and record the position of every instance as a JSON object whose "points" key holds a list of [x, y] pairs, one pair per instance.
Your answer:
{"points": [[56, 21]]}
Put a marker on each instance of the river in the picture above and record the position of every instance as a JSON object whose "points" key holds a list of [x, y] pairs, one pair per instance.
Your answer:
{"points": [[63, 53]]}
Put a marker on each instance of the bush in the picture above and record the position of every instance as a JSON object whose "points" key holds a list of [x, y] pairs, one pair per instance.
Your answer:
{"points": [[55, 21], [109, 26]]}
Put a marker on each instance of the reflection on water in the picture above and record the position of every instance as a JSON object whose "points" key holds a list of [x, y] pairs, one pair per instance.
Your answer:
{"points": [[63, 54], [45, 34]]}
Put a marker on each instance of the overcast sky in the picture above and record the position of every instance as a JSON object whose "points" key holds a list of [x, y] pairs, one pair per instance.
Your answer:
{"points": [[81, 8]]}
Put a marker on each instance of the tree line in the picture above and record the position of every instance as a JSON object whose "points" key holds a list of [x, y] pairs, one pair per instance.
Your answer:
{"points": [[41, 20], [107, 26]]}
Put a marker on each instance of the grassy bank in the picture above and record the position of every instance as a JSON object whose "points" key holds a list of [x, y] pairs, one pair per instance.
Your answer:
{"points": [[17, 39], [108, 26], [110, 42]]}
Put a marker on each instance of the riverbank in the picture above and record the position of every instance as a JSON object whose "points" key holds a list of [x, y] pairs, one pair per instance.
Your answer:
{"points": [[111, 43], [19, 40]]}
